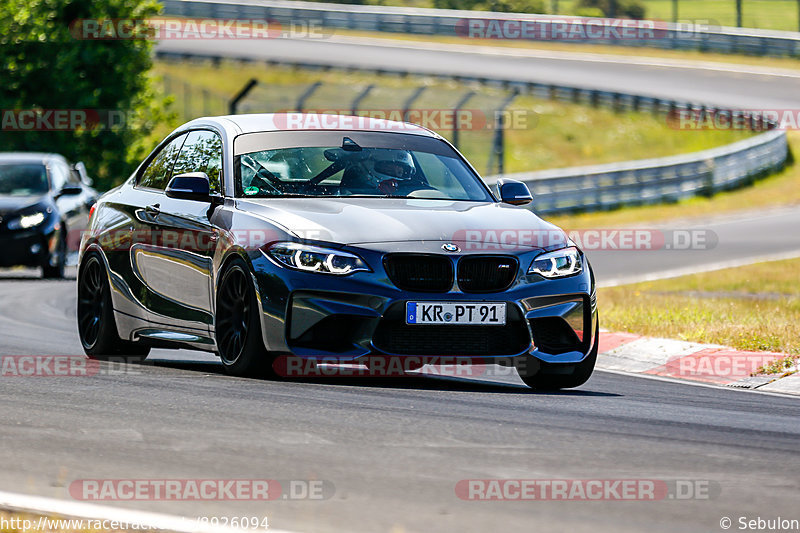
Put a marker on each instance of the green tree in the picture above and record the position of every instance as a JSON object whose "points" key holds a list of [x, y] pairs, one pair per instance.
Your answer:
{"points": [[46, 65]]}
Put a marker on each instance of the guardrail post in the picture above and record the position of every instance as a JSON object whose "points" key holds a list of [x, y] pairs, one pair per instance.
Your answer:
{"points": [[738, 13], [301, 101], [187, 101], [498, 146], [234, 102], [206, 96], [410, 101], [168, 83], [358, 99], [456, 111]]}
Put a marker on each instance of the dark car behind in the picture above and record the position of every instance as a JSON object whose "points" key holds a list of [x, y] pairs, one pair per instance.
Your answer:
{"points": [[44, 206]]}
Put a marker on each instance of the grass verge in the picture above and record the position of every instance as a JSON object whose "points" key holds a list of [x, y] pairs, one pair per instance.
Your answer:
{"points": [[763, 14], [755, 307]]}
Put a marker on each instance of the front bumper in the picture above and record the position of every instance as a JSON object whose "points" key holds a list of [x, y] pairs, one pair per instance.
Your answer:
{"points": [[25, 248], [317, 316]]}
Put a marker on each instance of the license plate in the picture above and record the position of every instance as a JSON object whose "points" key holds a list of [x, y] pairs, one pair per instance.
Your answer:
{"points": [[461, 313]]}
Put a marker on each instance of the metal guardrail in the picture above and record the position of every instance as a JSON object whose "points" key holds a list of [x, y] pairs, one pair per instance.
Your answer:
{"points": [[672, 178], [422, 21]]}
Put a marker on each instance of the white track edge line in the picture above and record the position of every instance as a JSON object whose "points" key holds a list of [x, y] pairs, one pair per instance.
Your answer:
{"points": [[678, 272], [695, 383], [92, 511]]}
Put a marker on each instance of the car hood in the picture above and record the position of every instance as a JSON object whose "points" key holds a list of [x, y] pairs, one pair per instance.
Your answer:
{"points": [[363, 221], [13, 204]]}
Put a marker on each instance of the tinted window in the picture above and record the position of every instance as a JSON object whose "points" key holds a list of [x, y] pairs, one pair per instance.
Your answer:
{"points": [[366, 171], [158, 172], [74, 177], [23, 180], [59, 174], [202, 152]]}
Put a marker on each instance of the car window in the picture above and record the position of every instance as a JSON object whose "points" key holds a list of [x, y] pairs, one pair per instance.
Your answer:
{"points": [[368, 171], [74, 177], [158, 172], [59, 174], [23, 179], [202, 152]]}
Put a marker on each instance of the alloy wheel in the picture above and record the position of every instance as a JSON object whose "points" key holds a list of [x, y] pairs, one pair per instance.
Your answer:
{"points": [[91, 301], [233, 311]]}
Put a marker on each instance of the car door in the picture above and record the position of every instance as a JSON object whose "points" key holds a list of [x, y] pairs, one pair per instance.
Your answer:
{"points": [[76, 206], [133, 232], [178, 267], [70, 206]]}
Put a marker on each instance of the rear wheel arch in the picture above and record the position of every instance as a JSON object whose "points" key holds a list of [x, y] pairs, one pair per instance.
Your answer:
{"points": [[104, 343]]}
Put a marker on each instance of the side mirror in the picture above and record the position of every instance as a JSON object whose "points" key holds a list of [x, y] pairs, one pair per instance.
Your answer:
{"points": [[70, 189], [513, 192], [190, 186]]}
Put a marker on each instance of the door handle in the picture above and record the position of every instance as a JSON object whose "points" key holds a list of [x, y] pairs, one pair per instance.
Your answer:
{"points": [[153, 210]]}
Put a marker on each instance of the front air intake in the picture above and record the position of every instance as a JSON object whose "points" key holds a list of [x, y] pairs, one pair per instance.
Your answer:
{"points": [[420, 272], [486, 273]]}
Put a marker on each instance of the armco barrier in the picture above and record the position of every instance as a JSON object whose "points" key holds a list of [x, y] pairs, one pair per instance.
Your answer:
{"points": [[448, 22], [672, 178]]}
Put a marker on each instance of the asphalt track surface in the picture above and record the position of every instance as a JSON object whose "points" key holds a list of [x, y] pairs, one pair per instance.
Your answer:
{"points": [[394, 449], [390, 450], [704, 83]]}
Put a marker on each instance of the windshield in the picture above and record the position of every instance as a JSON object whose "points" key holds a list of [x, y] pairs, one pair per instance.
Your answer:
{"points": [[23, 180], [352, 170]]}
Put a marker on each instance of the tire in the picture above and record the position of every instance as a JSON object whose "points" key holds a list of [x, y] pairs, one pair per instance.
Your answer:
{"points": [[56, 271], [238, 327], [97, 328], [553, 377]]}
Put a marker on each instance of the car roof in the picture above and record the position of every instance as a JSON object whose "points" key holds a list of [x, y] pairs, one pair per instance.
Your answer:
{"points": [[29, 157], [267, 122]]}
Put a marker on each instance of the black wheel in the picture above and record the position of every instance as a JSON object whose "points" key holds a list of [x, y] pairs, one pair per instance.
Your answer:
{"points": [[238, 328], [554, 377], [96, 326], [53, 267]]}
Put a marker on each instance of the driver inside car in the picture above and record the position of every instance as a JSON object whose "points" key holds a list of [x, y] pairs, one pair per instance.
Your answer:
{"points": [[382, 173]]}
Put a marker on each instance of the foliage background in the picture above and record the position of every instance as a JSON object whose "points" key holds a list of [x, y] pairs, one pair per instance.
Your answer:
{"points": [[44, 66]]}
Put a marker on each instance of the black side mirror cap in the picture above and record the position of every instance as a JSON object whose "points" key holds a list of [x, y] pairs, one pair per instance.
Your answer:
{"points": [[513, 192], [190, 186], [70, 190]]}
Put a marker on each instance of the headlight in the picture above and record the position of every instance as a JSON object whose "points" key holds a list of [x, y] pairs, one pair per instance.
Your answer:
{"points": [[558, 264], [26, 221], [315, 258]]}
